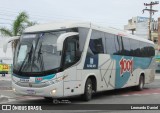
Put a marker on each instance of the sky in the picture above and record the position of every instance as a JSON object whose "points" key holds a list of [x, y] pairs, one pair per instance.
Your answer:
{"points": [[107, 13]]}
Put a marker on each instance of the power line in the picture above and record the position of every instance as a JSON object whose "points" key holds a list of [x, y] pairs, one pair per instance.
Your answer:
{"points": [[42, 18], [53, 16], [36, 15], [151, 12]]}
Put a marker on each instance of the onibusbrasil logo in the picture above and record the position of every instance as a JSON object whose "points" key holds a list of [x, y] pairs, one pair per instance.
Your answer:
{"points": [[20, 107]]}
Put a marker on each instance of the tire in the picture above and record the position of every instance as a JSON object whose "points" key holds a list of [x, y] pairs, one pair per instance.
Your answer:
{"points": [[141, 83], [88, 90]]}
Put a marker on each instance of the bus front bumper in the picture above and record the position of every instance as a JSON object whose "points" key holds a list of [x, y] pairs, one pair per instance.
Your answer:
{"points": [[54, 90]]}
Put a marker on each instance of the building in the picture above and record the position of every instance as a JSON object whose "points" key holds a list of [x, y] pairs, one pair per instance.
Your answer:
{"points": [[5, 57], [139, 26], [159, 31]]}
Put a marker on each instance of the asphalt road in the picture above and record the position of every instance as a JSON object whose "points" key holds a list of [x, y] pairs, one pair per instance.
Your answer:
{"points": [[150, 95]]}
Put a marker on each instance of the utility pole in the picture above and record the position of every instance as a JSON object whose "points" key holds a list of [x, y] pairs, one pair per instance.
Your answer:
{"points": [[151, 12]]}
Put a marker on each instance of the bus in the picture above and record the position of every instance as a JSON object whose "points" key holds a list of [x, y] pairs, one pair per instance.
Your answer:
{"points": [[4, 69], [66, 59], [157, 59]]}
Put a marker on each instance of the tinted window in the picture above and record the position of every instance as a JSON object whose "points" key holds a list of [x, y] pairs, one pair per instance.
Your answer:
{"points": [[118, 45], [151, 50], [96, 46], [110, 44], [70, 52], [134, 48], [96, 42], [126, 47], [101, 42], [144, 49]]}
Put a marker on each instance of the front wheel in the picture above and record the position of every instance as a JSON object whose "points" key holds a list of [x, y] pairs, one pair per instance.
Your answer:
{"points": [[88, 90], [141, 84]]}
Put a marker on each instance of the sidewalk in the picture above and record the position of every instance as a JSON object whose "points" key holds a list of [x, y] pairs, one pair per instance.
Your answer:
{"points": [[7, 77]]}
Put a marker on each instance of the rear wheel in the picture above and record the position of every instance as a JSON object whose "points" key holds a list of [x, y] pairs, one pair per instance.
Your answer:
{"points": [[88, 90], [141, 83]]}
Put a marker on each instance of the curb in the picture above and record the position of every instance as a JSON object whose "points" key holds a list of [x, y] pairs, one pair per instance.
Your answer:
{"points": [[5, 79], [5, 88]]}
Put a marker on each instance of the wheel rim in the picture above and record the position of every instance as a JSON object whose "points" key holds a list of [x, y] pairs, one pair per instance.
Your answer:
{"points": [[141, 84], [89, 88]]}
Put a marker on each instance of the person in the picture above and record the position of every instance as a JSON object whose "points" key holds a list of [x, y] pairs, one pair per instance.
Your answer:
{"points": [[3, 75], [1, 63], [68, 57]]}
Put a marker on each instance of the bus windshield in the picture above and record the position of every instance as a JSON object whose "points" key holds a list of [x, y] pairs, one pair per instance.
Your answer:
{"points": [[37, 52]]}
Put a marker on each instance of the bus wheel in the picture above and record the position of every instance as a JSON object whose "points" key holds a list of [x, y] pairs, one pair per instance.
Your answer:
{"points": [[88, 90], [141, 83]]}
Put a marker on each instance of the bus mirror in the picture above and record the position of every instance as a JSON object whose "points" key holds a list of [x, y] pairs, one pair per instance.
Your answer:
{"points": [[8, 41], [62, 37]]}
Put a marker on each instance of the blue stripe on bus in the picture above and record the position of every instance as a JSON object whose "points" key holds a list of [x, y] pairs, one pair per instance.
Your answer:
{"points": [[48, 77], [121, 79], [37, 79]]}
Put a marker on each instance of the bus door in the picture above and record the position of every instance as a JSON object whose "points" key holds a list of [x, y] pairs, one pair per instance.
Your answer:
{"points": [[70, 59]]}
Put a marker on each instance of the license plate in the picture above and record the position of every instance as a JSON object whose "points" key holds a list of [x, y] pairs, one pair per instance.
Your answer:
{"points": [[31, 92], [24, 80]]}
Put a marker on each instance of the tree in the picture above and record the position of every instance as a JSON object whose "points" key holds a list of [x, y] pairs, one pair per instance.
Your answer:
{"points": [[19, 24]]}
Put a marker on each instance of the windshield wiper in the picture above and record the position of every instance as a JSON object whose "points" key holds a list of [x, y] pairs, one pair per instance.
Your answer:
{"points": [[29, 54], [40, 58]]}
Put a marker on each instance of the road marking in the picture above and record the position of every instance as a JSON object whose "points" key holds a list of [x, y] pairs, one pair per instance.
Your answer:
{"points": [[140, 94], [155, 91]]}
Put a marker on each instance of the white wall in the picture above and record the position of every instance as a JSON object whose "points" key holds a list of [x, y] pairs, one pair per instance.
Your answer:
{"points": [[142, 29], [6, 57]]}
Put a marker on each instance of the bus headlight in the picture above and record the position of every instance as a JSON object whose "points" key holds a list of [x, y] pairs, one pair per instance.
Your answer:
{"points": [[53, 91], [14, 90]]}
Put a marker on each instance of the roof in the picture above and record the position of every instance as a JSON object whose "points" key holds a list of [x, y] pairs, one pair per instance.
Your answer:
{"points": [[64, 25], [55, 26]]}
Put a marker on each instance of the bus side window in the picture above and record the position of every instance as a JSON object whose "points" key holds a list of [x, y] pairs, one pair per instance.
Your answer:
{"points": [[151, 50], [96, 44], [135, 48], [126, 47], [110, 44], [144, 49], [71, 52]]}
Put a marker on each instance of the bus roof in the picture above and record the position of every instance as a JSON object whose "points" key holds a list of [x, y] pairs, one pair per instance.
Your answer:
{"points": [[56, 26], [64, 25]]}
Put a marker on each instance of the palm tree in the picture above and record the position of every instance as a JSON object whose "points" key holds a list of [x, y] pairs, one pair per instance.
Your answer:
{"points": [[19, 24]]}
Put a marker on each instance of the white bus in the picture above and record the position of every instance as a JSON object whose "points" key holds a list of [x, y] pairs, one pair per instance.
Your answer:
{"points": [[66, 59]]}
